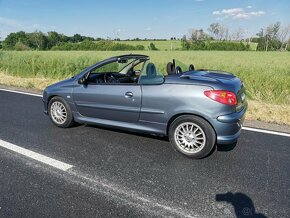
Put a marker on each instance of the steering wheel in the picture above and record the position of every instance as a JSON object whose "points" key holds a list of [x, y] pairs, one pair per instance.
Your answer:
{"points": [[107, 76]]}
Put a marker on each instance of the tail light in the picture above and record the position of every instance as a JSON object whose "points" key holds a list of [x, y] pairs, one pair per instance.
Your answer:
{"points": [[222, 96]]}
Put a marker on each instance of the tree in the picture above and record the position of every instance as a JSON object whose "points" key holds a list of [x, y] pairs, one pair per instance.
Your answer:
{"points": [[11, 40], [283, 36], [198, 35], [238, 34], [37, 40], [77, 38], [184, 43], [64, 38], [271, 34], [53, 38], [152, 47], [0, 41], [219, 31], [269, 37]]}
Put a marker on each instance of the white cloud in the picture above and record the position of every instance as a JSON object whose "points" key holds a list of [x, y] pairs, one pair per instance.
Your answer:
{"points": [[249, 6], [237, 13], [257, 13], [148, 29], [231, 11]]}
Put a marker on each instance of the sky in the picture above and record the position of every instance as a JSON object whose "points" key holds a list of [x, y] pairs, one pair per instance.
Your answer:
{"points": [[138, 18]]}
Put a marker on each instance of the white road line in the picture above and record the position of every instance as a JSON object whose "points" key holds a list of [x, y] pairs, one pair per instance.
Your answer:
{"points": [[244, 127], [19, 92], [36, 156], [266, 131]]}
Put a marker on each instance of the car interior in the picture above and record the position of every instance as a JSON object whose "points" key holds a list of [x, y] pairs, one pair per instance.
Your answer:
{"points": [[124, 71], [131, 71]]}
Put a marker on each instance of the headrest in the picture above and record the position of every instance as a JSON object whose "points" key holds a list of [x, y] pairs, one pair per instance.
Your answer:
{"points": [[170, 68], [191, 67], [178, 69], [151, 70]]}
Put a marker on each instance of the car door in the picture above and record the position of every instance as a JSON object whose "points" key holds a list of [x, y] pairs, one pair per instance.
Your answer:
{"points": [[154, 95], [116, 102]]}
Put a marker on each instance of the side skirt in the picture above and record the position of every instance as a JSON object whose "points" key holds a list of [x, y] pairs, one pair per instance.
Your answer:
{"points": [[140, 126]]}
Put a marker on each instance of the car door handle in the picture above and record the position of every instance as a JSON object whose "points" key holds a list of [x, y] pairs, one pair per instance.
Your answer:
{"points": [[128, 94]]}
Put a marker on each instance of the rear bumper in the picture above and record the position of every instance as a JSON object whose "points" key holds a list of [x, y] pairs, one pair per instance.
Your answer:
{"points": [[228, 127]]}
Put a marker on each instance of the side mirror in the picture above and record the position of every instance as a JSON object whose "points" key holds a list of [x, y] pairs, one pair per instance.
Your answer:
{"points": [[82, 80]]}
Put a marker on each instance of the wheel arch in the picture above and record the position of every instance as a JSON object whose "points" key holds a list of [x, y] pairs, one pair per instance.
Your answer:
{"points": [[171, 120], [51, 97]]}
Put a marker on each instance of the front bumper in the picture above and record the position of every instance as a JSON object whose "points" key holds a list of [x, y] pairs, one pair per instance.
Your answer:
{"points": [[228, 127], [45, 107]]}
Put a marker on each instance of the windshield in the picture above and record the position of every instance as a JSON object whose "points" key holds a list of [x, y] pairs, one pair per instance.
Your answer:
{"points": [[116, 66]]}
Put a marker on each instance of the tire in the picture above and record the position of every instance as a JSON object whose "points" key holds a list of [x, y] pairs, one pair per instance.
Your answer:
{"points": [[192, 136], [60, 113]]}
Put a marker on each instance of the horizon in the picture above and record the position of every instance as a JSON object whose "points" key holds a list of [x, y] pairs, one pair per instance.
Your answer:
{"points": [[128, 19]]}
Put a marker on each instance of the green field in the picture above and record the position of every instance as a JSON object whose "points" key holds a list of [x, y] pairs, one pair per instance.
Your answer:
{"points": [[266, 75]]}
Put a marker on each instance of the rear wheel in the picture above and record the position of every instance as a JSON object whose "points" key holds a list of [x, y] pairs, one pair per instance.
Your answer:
{"points": [[60, 112], [192, 136]]}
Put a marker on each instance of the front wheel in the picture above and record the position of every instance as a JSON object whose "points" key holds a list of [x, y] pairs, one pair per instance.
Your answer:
{"points": [[60, 113], [192, 136]]}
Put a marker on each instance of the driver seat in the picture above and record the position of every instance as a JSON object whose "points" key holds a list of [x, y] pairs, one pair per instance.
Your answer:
{"points": [[151, 71], [150, 76]]}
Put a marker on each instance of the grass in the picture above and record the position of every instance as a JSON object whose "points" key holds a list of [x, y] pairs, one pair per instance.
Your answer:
{"points": [[266, 75], [29, 83]]}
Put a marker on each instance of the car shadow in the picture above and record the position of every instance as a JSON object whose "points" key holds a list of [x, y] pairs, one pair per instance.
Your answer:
{"points": [[243, 204], [217, 147], [225, 148], [135, 133]]}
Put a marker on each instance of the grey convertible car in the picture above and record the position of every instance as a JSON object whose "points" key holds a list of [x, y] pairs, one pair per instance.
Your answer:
{"points": [[196, 109]]}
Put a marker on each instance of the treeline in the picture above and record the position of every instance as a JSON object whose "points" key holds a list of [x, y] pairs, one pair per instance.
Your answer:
{"points": [[218, 37], [144, 39], [56, 41]]}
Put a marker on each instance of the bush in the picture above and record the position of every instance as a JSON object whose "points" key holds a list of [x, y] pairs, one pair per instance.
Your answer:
{"points": [[197, 46], [87, 45], [216, 46], [227, 46], [152, 47], [19, 46], [140, 47]]}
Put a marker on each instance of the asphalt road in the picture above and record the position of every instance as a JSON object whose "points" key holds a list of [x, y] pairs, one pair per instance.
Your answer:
{"points": [[118, 173]]}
